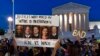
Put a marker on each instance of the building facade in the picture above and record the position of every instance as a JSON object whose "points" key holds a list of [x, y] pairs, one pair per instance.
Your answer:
{"points": [[93, 23], [72, 16]]}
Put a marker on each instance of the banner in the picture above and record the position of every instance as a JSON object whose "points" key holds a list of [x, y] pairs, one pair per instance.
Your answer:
{"points": [[36, 27]]}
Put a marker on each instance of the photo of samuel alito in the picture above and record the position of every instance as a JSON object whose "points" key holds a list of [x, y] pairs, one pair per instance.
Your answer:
{"points": [[54, 34], [27, 33], [19, 31], [36, 32]]}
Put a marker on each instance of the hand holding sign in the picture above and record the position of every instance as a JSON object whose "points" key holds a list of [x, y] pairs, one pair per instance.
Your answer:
{"points": [[57, 45]]}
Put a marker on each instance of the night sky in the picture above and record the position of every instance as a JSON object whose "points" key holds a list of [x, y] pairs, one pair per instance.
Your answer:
{"points": [[42, 7]]}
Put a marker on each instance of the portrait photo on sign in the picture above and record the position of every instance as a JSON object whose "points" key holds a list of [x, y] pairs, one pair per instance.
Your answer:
{"points": [[44, 32], [53, 32], [19, 31], [27, 31], [36, 32]]}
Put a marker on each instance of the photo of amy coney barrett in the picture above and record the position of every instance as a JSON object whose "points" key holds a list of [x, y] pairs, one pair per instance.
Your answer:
{"points": [[44, 32]]}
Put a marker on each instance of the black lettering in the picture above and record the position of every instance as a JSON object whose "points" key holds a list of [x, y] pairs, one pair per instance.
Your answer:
{"points": [[45, 43], [36, 42], [27, 42]]}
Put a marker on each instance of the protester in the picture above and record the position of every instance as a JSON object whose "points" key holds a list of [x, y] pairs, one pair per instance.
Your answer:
{"points": [[98, 50], [68, 48]]}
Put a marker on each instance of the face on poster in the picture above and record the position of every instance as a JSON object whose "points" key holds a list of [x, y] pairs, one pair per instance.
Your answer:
{"points": [[33, 27]]}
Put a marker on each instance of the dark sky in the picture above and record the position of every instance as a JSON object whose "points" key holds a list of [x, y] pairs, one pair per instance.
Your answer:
{"points": [[42, 7]]}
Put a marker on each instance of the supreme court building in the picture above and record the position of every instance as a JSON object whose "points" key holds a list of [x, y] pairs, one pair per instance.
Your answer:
{"points": [[72, 16]]}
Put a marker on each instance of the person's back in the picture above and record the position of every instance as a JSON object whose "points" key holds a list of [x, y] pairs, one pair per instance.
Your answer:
{"points": [[98, 50], [59, 52], [45, 51], [1, 54]]}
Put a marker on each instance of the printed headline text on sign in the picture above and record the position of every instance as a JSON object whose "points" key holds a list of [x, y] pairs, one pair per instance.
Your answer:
{"points": [[37, 20]]}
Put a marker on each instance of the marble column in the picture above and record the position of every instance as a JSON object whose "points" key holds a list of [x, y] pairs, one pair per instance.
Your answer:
{"points": [[82, 21], [84, 16], [60, 22], [63, 23], [73, 22], [77, 14], [87, 21], [70, 21], [67, 21], [79, 21]]}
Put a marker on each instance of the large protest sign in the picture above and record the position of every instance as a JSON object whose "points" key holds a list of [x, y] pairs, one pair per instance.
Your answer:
{"points": [[36, 30]]}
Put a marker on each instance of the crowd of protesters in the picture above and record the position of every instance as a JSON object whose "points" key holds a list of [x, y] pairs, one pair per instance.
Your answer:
{"points": [[84, 47]]}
